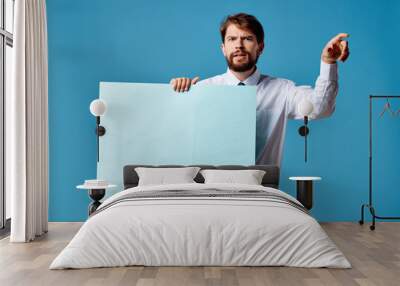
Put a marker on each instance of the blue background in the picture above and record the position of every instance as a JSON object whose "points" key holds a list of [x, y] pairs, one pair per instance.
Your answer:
{"points": [[134, 41]]}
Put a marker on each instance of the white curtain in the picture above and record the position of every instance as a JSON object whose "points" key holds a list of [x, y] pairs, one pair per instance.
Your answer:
{"points": [[27, 123]]}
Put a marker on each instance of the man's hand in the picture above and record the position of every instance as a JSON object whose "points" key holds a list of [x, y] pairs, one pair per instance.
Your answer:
{"points": [[336, 49], [182, 84]]}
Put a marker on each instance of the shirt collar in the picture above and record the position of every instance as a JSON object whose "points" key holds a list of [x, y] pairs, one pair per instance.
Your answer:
{"points": [[251, 80]]}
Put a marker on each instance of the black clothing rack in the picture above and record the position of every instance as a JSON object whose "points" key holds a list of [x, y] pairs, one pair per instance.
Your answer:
{"points": [[369, 205]]}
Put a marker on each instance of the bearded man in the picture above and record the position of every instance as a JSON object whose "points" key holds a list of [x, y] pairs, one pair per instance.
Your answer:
{"points": [[277, 99]]}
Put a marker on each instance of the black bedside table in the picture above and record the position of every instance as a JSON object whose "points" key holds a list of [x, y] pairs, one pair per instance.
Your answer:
{"points": [[96, 193], [304, 189]]}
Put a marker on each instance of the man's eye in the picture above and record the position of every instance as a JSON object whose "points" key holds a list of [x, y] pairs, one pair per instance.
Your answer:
{"points": [[249, 38]]}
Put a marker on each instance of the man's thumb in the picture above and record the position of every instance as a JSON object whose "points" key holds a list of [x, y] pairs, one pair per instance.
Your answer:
{"points": [[195, 80]]}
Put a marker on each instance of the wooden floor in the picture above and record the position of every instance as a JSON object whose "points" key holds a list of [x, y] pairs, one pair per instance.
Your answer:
{"points": [[375, 257]]}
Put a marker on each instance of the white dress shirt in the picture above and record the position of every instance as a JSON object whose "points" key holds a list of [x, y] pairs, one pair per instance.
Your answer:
{"points": [[277, 101]]}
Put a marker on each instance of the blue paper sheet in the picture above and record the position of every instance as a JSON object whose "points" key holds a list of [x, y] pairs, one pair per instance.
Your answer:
{"points": [[152, 124]]}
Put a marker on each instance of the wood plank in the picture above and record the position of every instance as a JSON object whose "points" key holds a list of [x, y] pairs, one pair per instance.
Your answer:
{"points": [[375, 257]]}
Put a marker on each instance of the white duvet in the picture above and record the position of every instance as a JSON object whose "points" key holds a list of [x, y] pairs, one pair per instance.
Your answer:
{"points": [[200, 231]]}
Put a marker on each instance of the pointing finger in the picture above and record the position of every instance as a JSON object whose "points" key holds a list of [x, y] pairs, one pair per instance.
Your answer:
{"points": [[338, 37]]}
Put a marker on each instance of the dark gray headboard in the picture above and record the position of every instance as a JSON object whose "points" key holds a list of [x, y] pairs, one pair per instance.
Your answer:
{"points": [[271, 177]]}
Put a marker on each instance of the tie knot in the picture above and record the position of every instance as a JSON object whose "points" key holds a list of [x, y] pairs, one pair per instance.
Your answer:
{"points": [[241, 83]]}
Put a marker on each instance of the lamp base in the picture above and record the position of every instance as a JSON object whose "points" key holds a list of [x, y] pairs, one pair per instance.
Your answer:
{"points": [[303, 130], [100, 130]]}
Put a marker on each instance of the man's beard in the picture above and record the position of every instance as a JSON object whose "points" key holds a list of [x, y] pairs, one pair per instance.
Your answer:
{"points": [[242, 67]]}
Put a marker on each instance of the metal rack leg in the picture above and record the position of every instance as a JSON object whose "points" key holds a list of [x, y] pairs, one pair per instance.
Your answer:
{"points": [[372, 210]]}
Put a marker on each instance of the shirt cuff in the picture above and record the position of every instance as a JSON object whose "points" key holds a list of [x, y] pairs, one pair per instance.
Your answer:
{"points": [[328, 71]]}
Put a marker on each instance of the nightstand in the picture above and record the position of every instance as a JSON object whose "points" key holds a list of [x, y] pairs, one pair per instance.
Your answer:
{"points": [[304, 189], [96, 193]]}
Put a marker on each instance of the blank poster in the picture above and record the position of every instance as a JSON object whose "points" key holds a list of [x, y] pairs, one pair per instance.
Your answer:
{"points": [[152, 124]]}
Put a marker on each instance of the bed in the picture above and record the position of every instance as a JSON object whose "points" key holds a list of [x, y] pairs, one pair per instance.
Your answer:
{"points": [[201, 224]]}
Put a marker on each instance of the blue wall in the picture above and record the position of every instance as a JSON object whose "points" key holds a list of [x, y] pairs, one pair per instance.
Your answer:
{"points": [[133, 41]]}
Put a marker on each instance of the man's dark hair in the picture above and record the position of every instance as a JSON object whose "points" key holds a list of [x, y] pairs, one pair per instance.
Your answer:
{"points": [[243, 21]]}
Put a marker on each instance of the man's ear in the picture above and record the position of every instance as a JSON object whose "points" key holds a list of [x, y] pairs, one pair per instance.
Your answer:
{"points": [[223, 49], [260, 48]]}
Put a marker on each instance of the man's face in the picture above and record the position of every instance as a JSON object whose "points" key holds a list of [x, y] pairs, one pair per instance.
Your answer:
{"points": [[241, 49]]}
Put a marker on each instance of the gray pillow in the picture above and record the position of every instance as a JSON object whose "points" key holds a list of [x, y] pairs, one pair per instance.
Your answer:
{"points": [[248, 177], [164, 176]]}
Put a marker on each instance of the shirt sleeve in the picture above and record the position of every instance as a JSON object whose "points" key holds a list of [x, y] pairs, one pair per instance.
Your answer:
{"points": [[323, 95]]}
